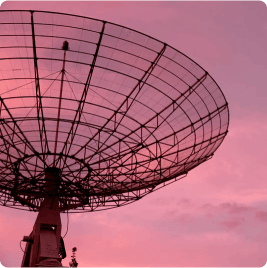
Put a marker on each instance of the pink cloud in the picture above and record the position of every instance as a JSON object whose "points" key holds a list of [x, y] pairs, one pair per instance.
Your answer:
{"points": [[233, 222], [261, 215], [234, 208], [228, 207]]}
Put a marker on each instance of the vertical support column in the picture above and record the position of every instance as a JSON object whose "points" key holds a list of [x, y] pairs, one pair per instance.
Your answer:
{"points": [[44, 242]]}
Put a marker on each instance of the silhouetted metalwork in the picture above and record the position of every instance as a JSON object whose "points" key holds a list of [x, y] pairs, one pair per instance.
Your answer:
{"points": [[119, 113]]}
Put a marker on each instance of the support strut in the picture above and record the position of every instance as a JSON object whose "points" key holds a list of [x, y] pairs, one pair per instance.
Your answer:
{"points": [[65, 47]]}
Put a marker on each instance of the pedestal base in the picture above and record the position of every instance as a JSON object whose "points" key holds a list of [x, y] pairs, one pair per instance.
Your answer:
{"points": [[44, 243]]}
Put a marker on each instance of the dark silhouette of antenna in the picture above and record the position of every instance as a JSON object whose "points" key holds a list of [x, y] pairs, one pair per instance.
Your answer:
{"points": [[95, 116]]}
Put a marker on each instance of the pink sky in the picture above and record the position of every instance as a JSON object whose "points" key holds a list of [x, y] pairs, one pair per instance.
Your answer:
{"points": [[217, 215]]}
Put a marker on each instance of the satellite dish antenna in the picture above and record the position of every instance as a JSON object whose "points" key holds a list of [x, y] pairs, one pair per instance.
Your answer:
{"points": [[95, 116]]}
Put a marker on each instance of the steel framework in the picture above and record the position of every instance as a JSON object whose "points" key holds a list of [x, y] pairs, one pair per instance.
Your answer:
{"points": [[119, 113]]}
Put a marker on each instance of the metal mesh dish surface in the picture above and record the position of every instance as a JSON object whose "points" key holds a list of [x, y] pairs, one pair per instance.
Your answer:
{"points": [[124, 115]]}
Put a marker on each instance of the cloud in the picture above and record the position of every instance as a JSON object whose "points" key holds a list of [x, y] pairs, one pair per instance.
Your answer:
{"points": [[261, 215], [185, 202], [234, 208], [228, 207], [185, 218], [233, 223]]}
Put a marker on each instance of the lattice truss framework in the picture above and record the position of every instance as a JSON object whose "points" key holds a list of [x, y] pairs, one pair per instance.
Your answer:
{"points": [[135, 113]]}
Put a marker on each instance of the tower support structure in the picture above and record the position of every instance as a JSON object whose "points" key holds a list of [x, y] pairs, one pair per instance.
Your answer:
{"points": [[44, 244]]}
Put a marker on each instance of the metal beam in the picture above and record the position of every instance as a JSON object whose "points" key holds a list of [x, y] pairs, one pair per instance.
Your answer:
{"points": [[40, 114], [137, 88], [79, 111], [60, 96], [26, 141]]}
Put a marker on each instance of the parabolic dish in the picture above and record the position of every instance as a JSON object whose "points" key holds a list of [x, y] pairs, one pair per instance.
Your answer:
{"points": [[135, 114]]}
